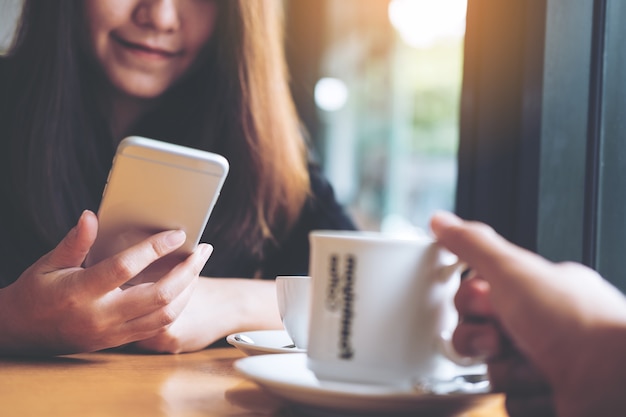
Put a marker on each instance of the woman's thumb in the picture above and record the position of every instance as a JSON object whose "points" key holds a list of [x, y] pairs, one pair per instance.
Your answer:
{"points": [[73, 249]]}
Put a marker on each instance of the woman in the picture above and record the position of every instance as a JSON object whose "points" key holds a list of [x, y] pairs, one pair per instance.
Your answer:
{"points": [[209, 74]]}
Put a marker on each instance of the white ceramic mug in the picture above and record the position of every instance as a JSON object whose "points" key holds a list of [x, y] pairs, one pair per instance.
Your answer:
{"points": [[381, 306], [293, 294]]}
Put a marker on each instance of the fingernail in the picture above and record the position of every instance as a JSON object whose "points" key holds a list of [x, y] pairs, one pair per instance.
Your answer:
{"points": [[80, 219], [175, 238], [206, 250]]}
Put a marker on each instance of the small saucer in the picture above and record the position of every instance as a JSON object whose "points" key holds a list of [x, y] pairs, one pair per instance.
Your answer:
{"points": [[261, 342], [287, 377]]}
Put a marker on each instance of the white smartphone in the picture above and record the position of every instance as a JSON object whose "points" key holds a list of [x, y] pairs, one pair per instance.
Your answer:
{"points": [[155, 186]]}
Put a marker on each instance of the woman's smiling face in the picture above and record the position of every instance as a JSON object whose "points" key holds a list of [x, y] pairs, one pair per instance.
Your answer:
{"points": [[145, 46]]}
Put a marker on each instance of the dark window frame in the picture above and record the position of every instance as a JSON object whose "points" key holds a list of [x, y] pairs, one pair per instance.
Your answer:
{"points": [[541, 155]]}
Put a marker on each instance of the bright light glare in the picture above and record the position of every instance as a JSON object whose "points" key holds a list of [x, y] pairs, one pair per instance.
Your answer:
{"points": [[331, 94], [422, 23]]}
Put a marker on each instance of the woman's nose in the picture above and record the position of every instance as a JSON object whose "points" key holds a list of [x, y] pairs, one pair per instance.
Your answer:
{"points": [[161, 15]]}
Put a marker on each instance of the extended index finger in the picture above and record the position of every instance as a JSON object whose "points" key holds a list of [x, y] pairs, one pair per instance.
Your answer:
{"points": [[493, 257]]}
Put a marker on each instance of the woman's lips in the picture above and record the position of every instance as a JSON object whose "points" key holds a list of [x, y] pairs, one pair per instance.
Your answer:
{"points": [[148, 50]]}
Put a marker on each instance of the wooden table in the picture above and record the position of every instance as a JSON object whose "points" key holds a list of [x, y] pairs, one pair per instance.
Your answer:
{"points": [[114, 384]]}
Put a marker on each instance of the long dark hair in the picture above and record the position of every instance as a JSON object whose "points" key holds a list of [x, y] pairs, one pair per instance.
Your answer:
{"points": [[58, 146]]}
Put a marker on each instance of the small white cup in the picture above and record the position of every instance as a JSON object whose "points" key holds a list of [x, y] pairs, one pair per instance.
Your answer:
{"points": [[293, 294], [381, 308]]}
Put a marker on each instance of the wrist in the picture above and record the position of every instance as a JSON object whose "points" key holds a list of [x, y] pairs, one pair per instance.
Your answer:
{"points": [[249, 304]]}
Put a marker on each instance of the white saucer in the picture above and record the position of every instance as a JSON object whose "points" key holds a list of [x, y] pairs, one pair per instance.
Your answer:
{"points": [[261, 342], [287, 377]]}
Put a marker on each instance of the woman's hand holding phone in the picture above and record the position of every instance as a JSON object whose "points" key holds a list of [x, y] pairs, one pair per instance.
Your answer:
{"points": [[59, 307]]}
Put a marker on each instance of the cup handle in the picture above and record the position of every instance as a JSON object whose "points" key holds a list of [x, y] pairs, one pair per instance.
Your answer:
{"points": [[449, 352]]}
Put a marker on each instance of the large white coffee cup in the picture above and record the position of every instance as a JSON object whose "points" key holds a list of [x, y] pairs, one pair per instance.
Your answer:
{"points": [[381, 306], [293, 294]]}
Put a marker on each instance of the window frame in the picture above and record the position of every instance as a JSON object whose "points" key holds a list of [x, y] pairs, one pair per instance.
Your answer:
{"points": [[540, 155]]}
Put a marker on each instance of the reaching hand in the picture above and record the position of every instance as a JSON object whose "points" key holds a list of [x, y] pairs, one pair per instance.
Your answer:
{"points": [[554, 335], [58, 307]]}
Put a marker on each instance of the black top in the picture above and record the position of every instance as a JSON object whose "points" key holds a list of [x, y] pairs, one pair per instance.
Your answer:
{"points": [[290, 256], [321, 211]]}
